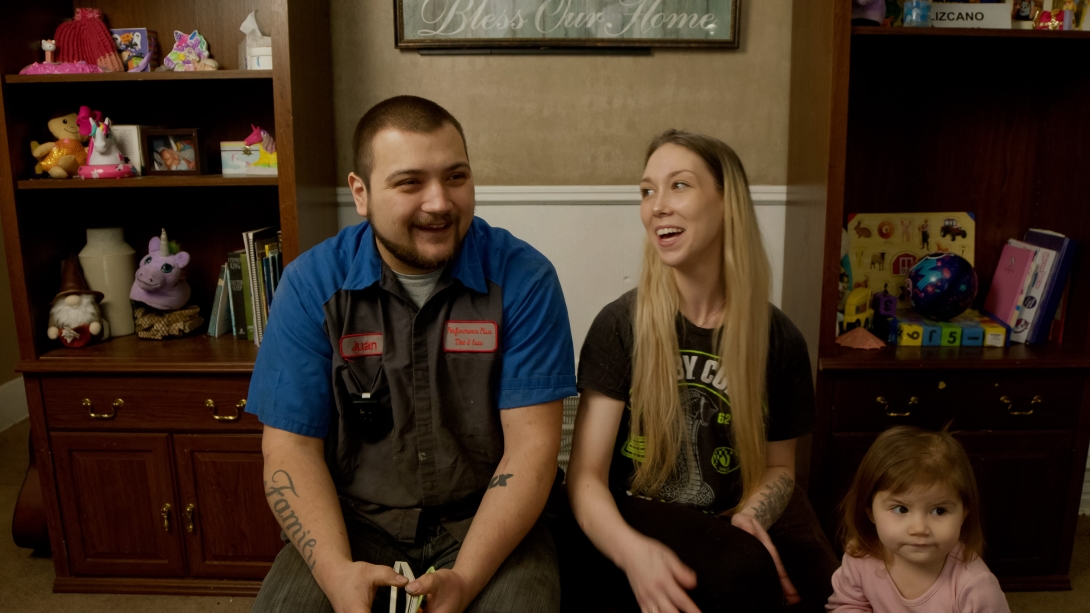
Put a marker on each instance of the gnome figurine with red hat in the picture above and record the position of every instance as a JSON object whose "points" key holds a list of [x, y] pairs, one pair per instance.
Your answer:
{"points": [[75, 318]]}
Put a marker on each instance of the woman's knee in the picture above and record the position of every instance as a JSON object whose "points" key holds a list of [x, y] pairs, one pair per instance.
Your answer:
{"points": [[742, 578]]}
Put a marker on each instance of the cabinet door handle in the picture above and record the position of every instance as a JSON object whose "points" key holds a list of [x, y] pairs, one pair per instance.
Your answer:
{"points": [[165, 512], [117, 404], [1010, 406], [210, 404], [885, 407], [189, 509]]}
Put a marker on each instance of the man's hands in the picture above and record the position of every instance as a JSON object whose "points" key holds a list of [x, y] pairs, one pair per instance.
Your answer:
{"points": [[659, 578], [751, 525], [447, 591], [351, 587]]}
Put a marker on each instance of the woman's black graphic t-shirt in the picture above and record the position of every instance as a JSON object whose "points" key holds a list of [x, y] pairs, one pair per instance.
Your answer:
{"points": [[707, 471]]}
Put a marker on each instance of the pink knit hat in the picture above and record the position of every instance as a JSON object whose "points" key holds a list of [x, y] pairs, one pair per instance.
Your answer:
{"points": [[86, 38]]}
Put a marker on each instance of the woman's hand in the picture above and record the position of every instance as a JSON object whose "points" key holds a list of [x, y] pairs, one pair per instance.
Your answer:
{"points": [[751, 525], [659, 579]]}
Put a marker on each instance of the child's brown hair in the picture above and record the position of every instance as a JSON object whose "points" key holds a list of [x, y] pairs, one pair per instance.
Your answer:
{"points": [[901, 459]]}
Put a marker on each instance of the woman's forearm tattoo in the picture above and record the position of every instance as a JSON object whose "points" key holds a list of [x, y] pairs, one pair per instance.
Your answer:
{"points": [[775, 496]]}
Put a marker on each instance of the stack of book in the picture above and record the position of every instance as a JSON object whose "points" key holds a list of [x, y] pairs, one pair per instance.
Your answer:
{"points": [[247, 286], [1028, 292]]}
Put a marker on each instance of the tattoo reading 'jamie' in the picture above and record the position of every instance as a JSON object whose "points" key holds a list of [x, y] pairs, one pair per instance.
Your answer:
{"points": [[499, 481], [775, 496], [286, 515]]}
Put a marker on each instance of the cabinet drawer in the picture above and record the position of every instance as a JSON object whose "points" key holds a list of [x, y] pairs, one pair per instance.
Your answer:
{"points": [[1023, 401], [872, 402], [971, 400], [148, 403]]}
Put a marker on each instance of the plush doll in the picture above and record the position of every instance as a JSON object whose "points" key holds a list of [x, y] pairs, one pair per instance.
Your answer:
{"points": [[62, 157], [160, 279], [75, 318]]}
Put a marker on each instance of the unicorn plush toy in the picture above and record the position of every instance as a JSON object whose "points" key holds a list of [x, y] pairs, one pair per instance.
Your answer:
{"points": [[160, 280], [266, 151], [104, 161]]}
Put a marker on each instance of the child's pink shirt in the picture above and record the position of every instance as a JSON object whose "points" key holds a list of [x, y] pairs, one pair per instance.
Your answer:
{"points": [[864, 585]]}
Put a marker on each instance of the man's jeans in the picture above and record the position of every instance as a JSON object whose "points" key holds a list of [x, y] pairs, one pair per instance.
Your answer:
{"points": [[528, 580]]}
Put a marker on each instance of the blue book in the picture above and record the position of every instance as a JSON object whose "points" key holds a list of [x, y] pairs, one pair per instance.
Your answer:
{"points": [[1065, 254], [266, 269]]}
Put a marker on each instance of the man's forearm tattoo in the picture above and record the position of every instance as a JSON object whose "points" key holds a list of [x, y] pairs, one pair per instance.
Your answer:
{"points": [[776, 495], [499, 481], [286, 515]]}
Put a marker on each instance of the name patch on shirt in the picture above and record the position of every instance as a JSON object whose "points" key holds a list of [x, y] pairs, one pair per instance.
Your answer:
{"points": [[471, 336], [359, 345]]}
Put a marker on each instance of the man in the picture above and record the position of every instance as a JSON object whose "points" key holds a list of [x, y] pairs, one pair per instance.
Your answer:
{"points": [[410, 383]]}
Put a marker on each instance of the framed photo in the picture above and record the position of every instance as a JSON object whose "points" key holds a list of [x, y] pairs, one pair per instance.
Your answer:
{"points": [[171, 152], [544, 24]]}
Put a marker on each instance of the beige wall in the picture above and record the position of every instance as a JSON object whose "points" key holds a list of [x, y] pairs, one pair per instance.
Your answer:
{"points": [[9, 350], [576, 120]]}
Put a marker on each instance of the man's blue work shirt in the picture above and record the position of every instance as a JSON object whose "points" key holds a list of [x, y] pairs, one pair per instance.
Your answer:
{"points": [[408, 399]]}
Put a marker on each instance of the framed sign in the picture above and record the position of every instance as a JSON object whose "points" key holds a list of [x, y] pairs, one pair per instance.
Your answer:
{"points": [[438, 24]]}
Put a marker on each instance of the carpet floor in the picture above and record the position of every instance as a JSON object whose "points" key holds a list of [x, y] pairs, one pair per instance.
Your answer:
{"points": [[26, 580]]}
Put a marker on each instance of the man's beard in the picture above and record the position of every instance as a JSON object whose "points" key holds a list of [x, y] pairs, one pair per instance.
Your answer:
{"points": [[408, 254]]}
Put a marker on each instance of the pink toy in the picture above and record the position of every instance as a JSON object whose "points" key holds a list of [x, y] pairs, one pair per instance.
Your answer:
{"points": [[86, 120], [104, 161], [63, 68], [160, 280], [266, 152]]}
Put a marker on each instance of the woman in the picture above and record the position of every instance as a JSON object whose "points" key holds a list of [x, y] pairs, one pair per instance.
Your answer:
{"points": [[674, 480]]}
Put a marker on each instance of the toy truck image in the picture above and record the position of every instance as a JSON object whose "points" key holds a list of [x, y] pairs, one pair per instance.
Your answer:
{"points": [[857, 311], [951, 228]]}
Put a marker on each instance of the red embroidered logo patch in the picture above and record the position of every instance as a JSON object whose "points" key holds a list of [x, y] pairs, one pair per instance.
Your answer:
{"points": [[359, 345], [471, 336]]}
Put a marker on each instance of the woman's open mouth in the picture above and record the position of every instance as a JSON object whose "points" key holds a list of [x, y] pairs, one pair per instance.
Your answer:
{"points": [[668, 235]]}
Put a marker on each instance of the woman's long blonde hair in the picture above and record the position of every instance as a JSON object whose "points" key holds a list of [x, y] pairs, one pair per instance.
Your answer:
{"points": [[742, 339]]}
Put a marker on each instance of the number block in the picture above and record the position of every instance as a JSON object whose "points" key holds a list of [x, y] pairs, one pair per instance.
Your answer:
{"points": [[972, 334], [995, 335], [910, 334], [932, 334], [951, 335]]}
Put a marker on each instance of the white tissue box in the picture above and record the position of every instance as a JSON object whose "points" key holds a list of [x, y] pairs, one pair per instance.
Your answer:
{"points": [[254, 58]]}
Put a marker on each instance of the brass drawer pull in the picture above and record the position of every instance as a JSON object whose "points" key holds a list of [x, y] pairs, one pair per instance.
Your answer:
{"points": [[117, 404], [885, 406], [210, 404], [165, 512], [1010, 406], [189, 509]]}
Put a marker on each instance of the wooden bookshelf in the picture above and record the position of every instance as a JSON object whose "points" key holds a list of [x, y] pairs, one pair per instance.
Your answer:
{"points": [[158, 410], [129, 77], [147, 181], [130, 354], [1017, 357], [969, 33], [892, 120]]}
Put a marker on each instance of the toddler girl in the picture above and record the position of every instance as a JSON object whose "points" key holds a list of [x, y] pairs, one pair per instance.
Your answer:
{"points": [[912, 537]]}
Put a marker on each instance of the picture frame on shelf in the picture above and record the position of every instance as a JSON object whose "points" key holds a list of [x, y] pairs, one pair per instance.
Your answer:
{"points": [[171, 151]]}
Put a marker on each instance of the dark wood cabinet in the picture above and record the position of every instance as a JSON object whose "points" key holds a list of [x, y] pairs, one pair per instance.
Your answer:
{"points": [[890, 120], [117, 500], [229, 530], [123, 427]]}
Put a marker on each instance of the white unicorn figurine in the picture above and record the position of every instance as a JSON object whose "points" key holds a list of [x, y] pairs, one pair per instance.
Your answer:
{"points": [[104, 160]]}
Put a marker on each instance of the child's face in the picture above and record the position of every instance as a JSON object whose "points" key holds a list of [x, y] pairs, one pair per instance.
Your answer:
{"points": [[921, 526]]}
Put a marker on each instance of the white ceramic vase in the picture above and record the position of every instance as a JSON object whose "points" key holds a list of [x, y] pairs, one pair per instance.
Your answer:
{"points": [[109, 264]]}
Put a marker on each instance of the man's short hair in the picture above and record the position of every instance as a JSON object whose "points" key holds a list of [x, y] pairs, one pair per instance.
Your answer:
{"points": [[405, 113]]}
